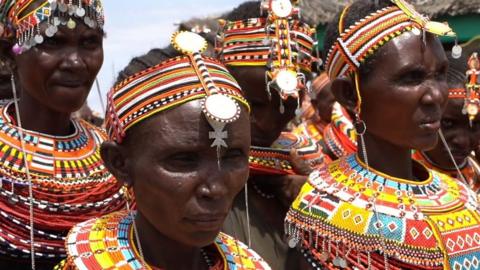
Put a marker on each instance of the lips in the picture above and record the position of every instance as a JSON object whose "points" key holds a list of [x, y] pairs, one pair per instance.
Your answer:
{"points": [[71, 83], [430, 125], [207, 222]]}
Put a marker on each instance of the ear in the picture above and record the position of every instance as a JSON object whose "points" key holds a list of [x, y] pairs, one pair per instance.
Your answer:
{"points": [[115, 160], [343, 89]]}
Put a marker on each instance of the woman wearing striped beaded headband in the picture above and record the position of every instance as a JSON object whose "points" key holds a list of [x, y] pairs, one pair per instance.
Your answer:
{"points": [[160, 125], [378, 209], [52, 175]]}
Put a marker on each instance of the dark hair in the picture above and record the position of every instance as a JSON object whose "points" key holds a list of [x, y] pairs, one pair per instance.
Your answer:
{"points": [[457, 69], [150, 59], [250, 9], [357, 11]]}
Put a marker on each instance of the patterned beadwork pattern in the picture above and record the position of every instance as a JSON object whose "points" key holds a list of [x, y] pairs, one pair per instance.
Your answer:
{"points": [[70, 185], [431, 223], [277, 160], [105, 243]]}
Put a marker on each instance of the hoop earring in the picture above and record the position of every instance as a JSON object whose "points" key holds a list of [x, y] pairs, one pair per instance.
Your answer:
{"points": [[361, 129], [247, 213]]}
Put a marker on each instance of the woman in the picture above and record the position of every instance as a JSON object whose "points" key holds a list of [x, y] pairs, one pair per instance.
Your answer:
{"points": [[378, 209], [461, 127], [55, 54], [179, 139], [250, 44]]}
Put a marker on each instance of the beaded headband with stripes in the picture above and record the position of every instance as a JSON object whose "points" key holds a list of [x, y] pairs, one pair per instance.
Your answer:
{"points": [[279, 42], [173, 83], [18, 21], [362, 39], [471, 93]]}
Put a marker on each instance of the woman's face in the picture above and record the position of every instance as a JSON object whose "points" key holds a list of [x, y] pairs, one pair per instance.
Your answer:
{"points": [[266, 120], [460, 136], [178, 185], [406, 92], [60, 72]]}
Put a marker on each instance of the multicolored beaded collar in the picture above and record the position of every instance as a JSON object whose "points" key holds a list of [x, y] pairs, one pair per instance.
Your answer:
{"points": [[471, 93], [175, 82], [279, 42], [69, 181], [276, 159], [349, 216], [468, 169], [362, 39], [107, 243], [23, 18]]}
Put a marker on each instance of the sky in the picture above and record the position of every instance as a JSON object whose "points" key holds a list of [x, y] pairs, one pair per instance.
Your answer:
{"points": [[134, 27]]}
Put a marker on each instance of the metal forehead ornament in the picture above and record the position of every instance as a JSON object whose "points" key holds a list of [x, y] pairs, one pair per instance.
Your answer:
{"points": [[219, 108]]}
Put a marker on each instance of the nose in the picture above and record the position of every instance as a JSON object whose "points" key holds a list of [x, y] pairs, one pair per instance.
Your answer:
{"points": [[436, 94], [72, 60], [213, 182]]}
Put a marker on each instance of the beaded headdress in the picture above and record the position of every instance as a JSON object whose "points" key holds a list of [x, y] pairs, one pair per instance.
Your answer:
{"points": [[362, 39], [175, 82], [22, 19], [471, 93], [280, 42]]}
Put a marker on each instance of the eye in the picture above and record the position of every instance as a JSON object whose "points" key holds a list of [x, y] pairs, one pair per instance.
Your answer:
{"points": [[92, 42], [50, 43], [413, 77], [185, 161], [447, 123]]}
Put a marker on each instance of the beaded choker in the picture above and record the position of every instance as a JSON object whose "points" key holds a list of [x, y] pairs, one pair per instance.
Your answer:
{"points": [[348, 216], [21, 20], [276, 160], [70, 185], [106, 243], [279, 42]]}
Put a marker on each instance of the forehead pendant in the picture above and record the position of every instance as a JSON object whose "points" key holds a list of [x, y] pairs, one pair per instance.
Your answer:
{"points": [[283, 74], [219, 108]]}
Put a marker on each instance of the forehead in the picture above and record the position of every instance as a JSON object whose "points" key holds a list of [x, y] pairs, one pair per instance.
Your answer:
{"points": [[408, 50], [185, 126]]}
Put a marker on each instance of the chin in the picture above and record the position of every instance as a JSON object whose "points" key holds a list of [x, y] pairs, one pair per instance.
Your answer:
{"points": [[426, 143], [202, 239]]}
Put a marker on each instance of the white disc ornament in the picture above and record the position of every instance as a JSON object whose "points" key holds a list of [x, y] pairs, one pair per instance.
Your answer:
{"points": [[472, 109], [282, 8], [188, 42], [287, 81], [221, 108]]}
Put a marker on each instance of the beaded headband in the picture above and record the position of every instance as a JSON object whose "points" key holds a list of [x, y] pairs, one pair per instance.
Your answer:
{"points": [[26, 27], [471, 93], [280, 42], [173, 83], [362, 39]]}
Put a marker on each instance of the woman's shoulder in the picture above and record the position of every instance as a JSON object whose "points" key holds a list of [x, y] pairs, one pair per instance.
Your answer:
{"points": [[238, 255]]}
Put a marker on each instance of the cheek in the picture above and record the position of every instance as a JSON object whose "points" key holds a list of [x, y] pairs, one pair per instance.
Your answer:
{"points": [[94, 61], [34, 71]]}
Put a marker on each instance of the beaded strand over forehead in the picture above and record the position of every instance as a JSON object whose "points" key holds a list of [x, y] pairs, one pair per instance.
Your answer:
{"points": [[22, 22], [173, 83]]}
